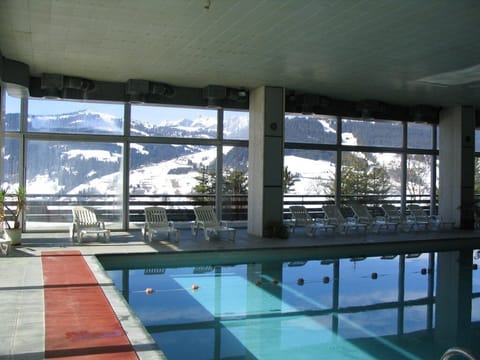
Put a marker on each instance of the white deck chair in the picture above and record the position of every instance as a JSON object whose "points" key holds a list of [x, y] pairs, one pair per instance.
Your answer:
{"points": [[422, 219], [301, 217], [5, 246], [85, 222], [334, 216], [363, 216], [393, 214], [206, 219], [156, 221]]}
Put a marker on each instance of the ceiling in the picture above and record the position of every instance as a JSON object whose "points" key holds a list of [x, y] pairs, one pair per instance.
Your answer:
{"points": [[402, 52]]}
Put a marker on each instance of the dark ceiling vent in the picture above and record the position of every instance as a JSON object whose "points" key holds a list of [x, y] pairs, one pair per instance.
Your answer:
{"points": [[52, 85], [137, 90], [56, 86], [216, 95], [372, 109]]}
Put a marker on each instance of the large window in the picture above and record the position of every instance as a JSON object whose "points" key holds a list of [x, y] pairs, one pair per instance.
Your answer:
{"points": [[161, 121], [235, 125], [372, 133], [419, 136], [12, 113], [310, 129], [62, 173], [74, 117]]}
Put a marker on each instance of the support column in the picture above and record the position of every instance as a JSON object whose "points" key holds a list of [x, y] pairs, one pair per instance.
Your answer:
{"points": [[265, 158], [457, 154], [453, 305]]}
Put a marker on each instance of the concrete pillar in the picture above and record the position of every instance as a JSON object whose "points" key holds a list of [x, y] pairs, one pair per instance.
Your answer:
{"points": [[456, 175], [265, 158], [453, 304]]}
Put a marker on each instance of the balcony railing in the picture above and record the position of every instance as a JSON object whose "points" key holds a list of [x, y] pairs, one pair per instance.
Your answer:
{"points": [[54, 211]]}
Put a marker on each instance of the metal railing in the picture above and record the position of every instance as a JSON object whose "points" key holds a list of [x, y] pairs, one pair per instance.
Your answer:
{"points": [[44, 209]]}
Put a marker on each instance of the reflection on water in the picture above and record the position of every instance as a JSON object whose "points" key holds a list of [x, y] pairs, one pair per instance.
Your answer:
{"points": [[409, 306]]}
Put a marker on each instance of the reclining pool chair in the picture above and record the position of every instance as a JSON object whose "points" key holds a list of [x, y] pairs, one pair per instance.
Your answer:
{"points": [[156, 221], [206, 219], [393, 214], [363, 216], [421, 219], [85, 222], [334, 216], [301, 217]]}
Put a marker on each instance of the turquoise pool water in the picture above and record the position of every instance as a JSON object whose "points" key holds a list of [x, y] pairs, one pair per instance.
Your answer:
{"points": [[346, 308]]}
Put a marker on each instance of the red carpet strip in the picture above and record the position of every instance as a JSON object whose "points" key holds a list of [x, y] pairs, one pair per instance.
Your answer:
{"points": [[79, 321]]}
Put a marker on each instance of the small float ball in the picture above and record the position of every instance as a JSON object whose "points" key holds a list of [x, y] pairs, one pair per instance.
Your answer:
{"points": [[148, 291], [300, 281], [423, 271], [475, 266], [195, 287], [275, 282], [259, 283], [374, 275], [326, 279]]}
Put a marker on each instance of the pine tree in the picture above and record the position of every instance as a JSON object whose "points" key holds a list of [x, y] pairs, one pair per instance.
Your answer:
{"points": [[289, 180]]}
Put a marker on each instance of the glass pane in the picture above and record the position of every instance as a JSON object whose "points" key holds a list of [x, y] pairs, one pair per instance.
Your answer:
{"points": [[235, 183], [75, 117], [64, 173], [370, 177], [419, 177], [359, 286], [177, 177], [311, 129], [477, 177], [419, 136], [372, 133], [311, 172], [10, 169], [477, 140], [235, 125], [12, 113], [173, 122], [417, 276]]}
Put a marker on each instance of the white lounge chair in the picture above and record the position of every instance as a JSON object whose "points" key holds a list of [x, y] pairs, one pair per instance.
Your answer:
{"points": [[156, 221], [422, 219], [393, 214], [301, 217], [377, 223], [206, 219], [5, 245], [334, 216], [85, 222]]}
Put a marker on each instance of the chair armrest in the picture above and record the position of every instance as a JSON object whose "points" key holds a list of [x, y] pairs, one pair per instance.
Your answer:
{"points": [[224, 223], [351, 220]]}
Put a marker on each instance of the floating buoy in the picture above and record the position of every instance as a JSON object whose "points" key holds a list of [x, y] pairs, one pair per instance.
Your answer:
{"points": [[326, 279], [148, 291], [374, 275], [474, 266], [275, 282], [300, 281], [195, 287], [259, 283], [423, 271]]}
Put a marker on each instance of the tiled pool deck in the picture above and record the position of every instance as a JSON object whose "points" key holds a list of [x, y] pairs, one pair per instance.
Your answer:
{"points": [[22, 333]]}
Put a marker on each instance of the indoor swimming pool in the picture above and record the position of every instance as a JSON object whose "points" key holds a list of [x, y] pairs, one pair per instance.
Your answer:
{"points": [[408, 306]]}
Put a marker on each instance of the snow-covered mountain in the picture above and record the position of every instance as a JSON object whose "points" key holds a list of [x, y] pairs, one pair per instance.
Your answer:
{"points": [[78, 167]]}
